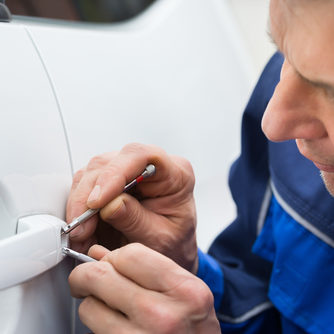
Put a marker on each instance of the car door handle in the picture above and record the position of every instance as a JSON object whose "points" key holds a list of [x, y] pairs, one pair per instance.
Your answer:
{"points": [[35, 248]]}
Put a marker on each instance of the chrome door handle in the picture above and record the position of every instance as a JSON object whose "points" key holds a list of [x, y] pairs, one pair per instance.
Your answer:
{"points": [[35, 248]]}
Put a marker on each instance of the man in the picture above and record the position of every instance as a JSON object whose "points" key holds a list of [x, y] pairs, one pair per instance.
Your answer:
{"points": [[271, 270]]}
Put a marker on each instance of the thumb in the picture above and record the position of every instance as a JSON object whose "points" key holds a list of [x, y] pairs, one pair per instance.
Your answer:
{"points": [[98, 252], [127, 215]]}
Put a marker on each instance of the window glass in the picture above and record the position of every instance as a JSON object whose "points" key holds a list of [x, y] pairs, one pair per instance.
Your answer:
{"points": [[79, 10]]}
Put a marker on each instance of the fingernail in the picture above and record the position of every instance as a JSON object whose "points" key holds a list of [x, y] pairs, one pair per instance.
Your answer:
{"points": [[76, 232], [95, 194]]}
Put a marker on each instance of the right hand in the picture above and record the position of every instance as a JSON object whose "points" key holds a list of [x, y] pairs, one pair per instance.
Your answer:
{"points": [[137, 290], [160, 212]]}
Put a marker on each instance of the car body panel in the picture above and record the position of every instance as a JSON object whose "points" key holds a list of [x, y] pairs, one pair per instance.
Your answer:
{"points": [[177, 76], [35, 175]]}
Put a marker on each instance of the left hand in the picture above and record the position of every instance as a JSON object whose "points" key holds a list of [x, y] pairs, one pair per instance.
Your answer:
{"points": [[135, 289], [159, 212]]}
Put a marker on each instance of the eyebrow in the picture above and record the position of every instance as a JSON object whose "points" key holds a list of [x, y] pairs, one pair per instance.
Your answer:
{"points": [[319, 84]]}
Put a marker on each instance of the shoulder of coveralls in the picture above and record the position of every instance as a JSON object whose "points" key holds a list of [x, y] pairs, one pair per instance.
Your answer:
{"points": [[245, 274]]}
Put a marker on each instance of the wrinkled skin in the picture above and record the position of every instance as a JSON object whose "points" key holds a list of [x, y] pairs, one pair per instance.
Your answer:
{"points": [[302, 107], [159, 213], [136, 298]]}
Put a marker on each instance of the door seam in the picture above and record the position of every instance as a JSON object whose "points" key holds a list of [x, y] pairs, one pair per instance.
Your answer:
{"points": [[55, 95]]}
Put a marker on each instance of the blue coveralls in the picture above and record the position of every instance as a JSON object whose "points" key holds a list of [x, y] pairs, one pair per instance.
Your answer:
{"points": [[272, 270]]}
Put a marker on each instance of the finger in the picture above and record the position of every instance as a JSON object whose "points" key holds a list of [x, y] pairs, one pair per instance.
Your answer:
{"points": [[154, 224], [98, 252], [81, 187], [126, 166], [84, 188], [77, 204], [77, 178], [101, 280], [147, 267], [166, 281], [101, 319], [128, 216], [83, 246]]}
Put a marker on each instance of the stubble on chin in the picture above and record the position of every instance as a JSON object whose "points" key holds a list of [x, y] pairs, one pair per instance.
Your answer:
{"points": [[328, 179]]}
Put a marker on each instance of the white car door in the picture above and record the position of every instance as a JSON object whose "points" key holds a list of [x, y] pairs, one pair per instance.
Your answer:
{"points": [[35, 175], [177, 76]]}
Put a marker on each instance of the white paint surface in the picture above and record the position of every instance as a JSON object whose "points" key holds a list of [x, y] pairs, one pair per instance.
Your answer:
{"points": [[35, 176], [177, 77]]}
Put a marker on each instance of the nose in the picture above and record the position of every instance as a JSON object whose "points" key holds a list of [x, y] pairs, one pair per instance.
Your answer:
{"points": [[293, 111]]}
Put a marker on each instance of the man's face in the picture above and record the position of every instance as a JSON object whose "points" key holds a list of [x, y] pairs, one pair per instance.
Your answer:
{"points": [[302, 107]]}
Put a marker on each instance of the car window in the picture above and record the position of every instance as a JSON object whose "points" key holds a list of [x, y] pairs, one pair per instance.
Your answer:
{"points": [[80, 10]]}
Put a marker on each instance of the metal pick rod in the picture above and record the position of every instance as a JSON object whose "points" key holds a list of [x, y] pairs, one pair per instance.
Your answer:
{"points": [[149, 171], [78, 256]]}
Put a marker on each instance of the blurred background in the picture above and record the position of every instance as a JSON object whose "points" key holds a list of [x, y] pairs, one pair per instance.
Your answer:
{"points": [[252, 19], [80, 10], [251, 16]]}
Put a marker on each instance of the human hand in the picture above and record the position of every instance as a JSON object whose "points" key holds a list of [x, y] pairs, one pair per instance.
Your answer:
{"points": [[137, 290], [159, 212]]}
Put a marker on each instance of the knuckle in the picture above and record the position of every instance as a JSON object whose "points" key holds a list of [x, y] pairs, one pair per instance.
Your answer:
{"points": [[96, 162], [185, 164], [101, 270], [151, 152], [190, 173], [111, 175], [131, 253], [182, 178], [107, 173], [187, 175], [78, 175], [199, 296], [170, 321], [133, 147], [85, 307], [166, 318], [133, 250]]}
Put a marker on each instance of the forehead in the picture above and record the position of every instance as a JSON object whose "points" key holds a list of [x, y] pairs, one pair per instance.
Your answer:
{"points": [[304, 31]]}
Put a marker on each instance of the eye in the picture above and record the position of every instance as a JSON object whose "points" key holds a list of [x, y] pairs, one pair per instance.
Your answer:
{"points": [[329, 92], [326, 89]]}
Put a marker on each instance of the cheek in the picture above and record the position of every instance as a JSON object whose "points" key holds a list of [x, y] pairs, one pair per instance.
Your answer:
{"points": [[329, 121], [328, 179], [320, 150], [301, 146]]}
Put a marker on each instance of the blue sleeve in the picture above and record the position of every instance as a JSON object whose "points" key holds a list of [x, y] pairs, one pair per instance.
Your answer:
{"points": [[263, 323], [210, 272], [238, 278]]}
